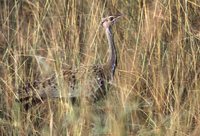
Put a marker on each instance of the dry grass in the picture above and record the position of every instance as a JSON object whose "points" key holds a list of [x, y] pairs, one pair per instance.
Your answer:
{"points": [[157, 82]]}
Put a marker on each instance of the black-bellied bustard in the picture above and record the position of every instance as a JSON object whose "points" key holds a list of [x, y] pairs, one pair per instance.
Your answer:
{"points": [[101, 75]]}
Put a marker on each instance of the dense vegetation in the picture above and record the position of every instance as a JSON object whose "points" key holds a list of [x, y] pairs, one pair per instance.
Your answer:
{"points": [[156, 90]]}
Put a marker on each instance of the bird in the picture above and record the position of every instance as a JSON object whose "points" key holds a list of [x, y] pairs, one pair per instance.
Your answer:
{"points": [[98, 80]]}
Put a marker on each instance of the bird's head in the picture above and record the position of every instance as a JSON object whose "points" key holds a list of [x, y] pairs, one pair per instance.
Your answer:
{"points": [[109, 21]]}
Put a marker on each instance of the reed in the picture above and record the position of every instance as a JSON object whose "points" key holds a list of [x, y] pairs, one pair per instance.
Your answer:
{"points": [[156, 87]]}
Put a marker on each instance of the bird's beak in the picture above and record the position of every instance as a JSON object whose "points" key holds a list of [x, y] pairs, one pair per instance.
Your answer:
{"points": [[117, 17]]}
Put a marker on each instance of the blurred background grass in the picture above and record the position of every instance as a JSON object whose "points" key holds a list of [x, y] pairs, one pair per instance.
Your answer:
{"points": [[157, 81]]}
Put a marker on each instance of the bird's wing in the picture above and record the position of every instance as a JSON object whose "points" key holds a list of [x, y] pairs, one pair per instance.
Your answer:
{"points": [[35, 92], [97, 84]]}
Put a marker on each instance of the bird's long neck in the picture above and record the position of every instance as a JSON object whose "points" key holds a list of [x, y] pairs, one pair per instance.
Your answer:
{"points": [[112, 58]]}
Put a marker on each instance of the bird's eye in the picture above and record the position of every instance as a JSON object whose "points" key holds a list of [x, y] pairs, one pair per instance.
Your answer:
{"points": [[111, 18]]}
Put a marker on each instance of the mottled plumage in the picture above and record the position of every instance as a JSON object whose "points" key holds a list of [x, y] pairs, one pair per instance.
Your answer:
{"points": [[32, 93]]}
